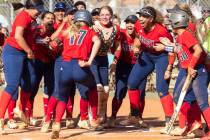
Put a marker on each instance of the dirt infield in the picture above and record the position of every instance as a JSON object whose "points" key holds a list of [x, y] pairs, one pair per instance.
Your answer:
{"points": [[153, 115]]}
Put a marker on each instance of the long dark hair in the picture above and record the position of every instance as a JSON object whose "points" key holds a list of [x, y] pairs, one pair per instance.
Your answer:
{"points": [[46, 13]]}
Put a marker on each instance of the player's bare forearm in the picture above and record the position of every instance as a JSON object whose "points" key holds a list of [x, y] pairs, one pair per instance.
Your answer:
{"points": [[136, 43], [96, 46], [20, 39], [195, 58], [197, 50], [58, 31], [117, 52]]}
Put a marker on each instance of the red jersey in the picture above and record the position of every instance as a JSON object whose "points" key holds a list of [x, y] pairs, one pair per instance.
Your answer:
{"points": [[149, 39], [23, 19], [41, 52], [79, 46], [56, 25], [127, 54], [185, 43]]}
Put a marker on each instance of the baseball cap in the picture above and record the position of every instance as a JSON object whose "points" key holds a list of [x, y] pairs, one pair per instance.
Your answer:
{"points": [[131, 18], [17, 6], [40, 8], [59, 6], [95, 11], [147, 11]]}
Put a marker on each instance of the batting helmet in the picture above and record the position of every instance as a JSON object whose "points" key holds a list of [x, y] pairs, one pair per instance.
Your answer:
{"points": [[83, 15], [178, 19]]}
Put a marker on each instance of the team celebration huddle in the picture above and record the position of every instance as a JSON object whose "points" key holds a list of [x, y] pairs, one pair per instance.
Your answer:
{"points": [[69, 48]]}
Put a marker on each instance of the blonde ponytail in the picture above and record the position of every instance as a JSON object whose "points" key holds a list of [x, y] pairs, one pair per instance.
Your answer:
{"points": [[74, 29]]}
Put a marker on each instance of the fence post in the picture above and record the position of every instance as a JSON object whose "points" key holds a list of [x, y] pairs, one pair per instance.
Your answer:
{"points": [[12, 13], [51, 5], [141, 3]]}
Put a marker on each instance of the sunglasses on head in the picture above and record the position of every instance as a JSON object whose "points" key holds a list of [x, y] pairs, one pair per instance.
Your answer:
{"points": [[205, 11], [145, 12]]}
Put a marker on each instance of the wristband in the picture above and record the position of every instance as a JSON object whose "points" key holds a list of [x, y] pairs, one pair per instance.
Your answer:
{"points": [[53, 45], [193, 61], [169, 48], [39, 41]]}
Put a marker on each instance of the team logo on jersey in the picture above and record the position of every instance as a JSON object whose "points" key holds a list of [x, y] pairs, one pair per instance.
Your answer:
{"points": [[34, 25], [148, 42], [126, 47], [183, 56]]}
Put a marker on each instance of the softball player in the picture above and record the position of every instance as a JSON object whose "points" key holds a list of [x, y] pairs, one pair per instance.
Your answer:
{"points": [[148, 33], [54, 98], [43, 64], [189, 123], [127, 59], [109, 35], [15, 53], [191, 58], [11, 122], [77, 56]]}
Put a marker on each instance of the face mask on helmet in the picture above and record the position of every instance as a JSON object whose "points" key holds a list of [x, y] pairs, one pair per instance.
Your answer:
{"points": [[179, 19]]}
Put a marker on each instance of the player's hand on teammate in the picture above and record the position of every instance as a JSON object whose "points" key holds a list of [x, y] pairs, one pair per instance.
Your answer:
{"points": [[112, 68], [165, 41], [159, 47], [136, 51], [65, 19], [192, 72], [96, 28], [46, 40], [83, 63], [30, 54]]}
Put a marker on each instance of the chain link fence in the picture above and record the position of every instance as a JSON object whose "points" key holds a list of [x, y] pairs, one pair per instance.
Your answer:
{"points": [[122, 7]]}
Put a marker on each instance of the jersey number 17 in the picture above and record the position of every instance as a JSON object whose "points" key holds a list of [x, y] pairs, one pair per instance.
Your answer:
{"points": [[79, 39]]}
